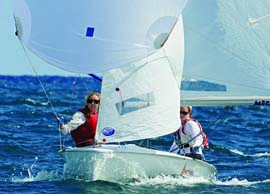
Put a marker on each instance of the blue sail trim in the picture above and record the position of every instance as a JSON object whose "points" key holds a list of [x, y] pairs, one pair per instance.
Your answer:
{"points": [[202, 86], [90, 32], [96, 77]]}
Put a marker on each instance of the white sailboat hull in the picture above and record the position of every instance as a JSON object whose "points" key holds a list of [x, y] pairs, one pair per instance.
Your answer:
{"points": [[118, 163]]}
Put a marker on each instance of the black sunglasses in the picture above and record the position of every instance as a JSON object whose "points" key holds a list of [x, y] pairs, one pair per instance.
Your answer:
{"points": [[91, 101], [183, 112]]}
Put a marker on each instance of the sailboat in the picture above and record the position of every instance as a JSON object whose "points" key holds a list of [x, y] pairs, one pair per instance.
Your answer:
{"points": [[138, 46], [231, 45]]}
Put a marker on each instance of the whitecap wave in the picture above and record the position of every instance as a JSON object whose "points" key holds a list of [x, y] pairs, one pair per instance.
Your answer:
{"points": [[170, 181], [236, 182], [265, 154], [43, 175], [36, 102]]}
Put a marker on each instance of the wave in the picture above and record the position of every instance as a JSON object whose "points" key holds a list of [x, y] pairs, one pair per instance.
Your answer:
{"points": [[190, 182], [265, 154], [236, 182], [224, 149], [36, 102], [164, 181], [170, 180], [43, 175]]}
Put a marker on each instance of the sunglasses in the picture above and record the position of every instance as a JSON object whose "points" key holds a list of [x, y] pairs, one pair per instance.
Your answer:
{"points": [[183, 112], [91, 101]]}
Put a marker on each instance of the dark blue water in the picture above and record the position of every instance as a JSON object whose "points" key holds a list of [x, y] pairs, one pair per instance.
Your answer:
{"points": [[29, 142]]}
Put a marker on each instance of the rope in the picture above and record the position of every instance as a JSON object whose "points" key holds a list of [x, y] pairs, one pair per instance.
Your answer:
{"points": [[37, 76], [61, 141], [85, 85], [220, 118], [72, 95], [42, 86]]}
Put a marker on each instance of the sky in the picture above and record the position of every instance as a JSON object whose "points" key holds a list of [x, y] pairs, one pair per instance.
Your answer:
{"points": [[13, 60]]}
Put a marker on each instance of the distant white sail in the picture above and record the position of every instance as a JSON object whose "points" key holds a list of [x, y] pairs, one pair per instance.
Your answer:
{"points": [[227, 59], [89, 36]]}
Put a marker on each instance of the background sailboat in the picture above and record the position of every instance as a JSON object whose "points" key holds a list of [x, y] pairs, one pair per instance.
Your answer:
{"points": [[226, 53]]}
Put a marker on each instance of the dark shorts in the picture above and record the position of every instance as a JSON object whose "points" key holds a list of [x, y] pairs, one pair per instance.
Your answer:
{"points": [[89, 143], [195, 156]]}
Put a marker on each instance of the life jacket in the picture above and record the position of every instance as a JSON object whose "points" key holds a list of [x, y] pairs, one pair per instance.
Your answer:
{"points": [[205, 138], [86, 131]]}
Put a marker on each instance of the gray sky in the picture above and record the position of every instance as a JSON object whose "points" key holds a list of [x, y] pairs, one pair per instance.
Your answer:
{"points": [[13, 60]]}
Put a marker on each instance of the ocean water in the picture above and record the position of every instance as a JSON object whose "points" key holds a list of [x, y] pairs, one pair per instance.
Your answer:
{"points": [[29, 142]]}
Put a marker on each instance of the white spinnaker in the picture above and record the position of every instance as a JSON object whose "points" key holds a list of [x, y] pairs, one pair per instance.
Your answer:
{"points": [[227, 45], [147, 102], [89, 36]]}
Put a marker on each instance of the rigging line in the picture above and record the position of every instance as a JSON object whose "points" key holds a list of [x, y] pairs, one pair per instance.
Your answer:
{"points": [[72, 95], [171, 68], [84, 84], [217, 120], [37, 76], [164, 51], [61, 140], [42, 86]]}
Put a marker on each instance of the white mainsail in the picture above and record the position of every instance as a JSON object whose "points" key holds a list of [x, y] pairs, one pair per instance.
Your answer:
{"points": [[142, 100], [88, 36], [226, 53]]}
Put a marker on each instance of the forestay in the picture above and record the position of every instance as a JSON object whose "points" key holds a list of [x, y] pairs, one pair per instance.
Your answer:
{"points": [[89, 36], [227, 52]]}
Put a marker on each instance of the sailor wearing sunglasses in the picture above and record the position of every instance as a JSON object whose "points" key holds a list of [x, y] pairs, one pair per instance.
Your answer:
{"points": [[82, 125], [188, 138]]}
